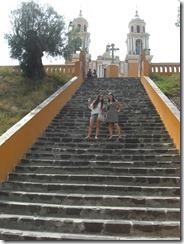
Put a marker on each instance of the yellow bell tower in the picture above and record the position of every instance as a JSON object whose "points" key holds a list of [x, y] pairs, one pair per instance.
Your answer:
{"points": [[137, 40]]}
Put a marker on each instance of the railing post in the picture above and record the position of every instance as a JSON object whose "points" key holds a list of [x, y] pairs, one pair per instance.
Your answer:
{"points": [[146, 68]]}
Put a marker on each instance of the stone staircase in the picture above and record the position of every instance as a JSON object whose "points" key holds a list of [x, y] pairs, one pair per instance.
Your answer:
{"points": [[69, 188]]}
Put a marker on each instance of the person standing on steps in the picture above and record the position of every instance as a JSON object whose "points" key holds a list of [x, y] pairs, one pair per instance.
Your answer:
{"points": [[113, 109], [96, 107], [94, 73], [89, 74]]}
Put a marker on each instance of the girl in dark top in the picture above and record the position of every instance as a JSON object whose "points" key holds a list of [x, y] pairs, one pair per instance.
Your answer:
{"points": [[113, 108]]}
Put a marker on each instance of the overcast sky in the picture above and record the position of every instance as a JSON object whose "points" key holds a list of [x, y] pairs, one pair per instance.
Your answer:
{"points": [[108, 23]]}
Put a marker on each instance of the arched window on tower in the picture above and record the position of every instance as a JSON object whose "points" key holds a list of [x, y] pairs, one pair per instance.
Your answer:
{"points": [[143, 29], [79, 27], [138, 47], [138, 28], [85, 28], [132, 28]]}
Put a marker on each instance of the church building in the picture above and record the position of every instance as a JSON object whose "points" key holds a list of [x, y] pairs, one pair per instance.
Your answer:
{"points": [[137, 40]]}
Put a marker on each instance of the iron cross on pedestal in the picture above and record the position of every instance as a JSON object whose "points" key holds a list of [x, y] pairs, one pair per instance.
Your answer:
{"points": [[113, 49]]}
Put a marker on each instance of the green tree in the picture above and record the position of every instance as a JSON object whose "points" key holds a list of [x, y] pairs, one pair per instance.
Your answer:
{"points": [[73, 44], [36, 31]]}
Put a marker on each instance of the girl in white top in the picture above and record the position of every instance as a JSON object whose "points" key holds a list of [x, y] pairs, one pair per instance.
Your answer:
{"points": [[96, 108]]}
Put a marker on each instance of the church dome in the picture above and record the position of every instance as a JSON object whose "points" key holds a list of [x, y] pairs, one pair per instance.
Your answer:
{"points": [[137, 25], [80, 22], [137, 38]]}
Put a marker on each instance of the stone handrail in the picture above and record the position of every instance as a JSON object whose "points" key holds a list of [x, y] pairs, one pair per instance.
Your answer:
{"points": [[68, 69], [10, 69], [169, 114], [65, 69], [165, 68]]}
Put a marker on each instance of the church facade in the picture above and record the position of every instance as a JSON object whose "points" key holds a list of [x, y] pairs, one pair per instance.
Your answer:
{"points": [[137, 40]]}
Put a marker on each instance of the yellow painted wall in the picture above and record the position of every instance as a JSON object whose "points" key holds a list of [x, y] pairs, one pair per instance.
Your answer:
{"points": [[15, 142], [77, 68], [167, 111], [112, 71], [133, 70]]}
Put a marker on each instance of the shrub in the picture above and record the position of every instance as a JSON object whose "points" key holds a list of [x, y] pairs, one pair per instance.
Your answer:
{"points": [[169, 85]]}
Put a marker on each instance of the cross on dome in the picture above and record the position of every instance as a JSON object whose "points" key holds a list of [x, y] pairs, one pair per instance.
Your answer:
{"points": [[80, 13], [136, 14]]}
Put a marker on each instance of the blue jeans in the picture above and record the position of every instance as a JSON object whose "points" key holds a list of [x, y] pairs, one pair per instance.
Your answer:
{"points": [[94, 117]]}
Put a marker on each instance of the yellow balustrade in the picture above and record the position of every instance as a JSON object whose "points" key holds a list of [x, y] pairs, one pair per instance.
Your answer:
{"points": [[68, 69], [65, 69], [15, 142], [165, 68], [169, 114]]}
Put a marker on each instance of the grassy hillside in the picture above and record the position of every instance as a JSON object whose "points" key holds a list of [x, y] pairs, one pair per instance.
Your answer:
{"points": [[170, 86], [19, 95]]}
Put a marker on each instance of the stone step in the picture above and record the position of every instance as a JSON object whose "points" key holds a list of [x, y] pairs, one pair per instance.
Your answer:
{"points": [[102, 163], [88, 226], [124, 120], [82, 126], [129, 113], [82, 122], [93, 212], [71, 131], [93, 188], [101, 156], [106, 170], [87, 199], [81, 129], [124, 140], [98, 150], [68, 135], [21, 235], [97, 178], [103, 132], [145, 143]]}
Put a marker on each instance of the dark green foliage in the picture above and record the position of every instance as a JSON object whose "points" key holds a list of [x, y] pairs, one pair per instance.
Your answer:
{"points": [[74, 44], [36, 31], [19, 95], [169, 85]]}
